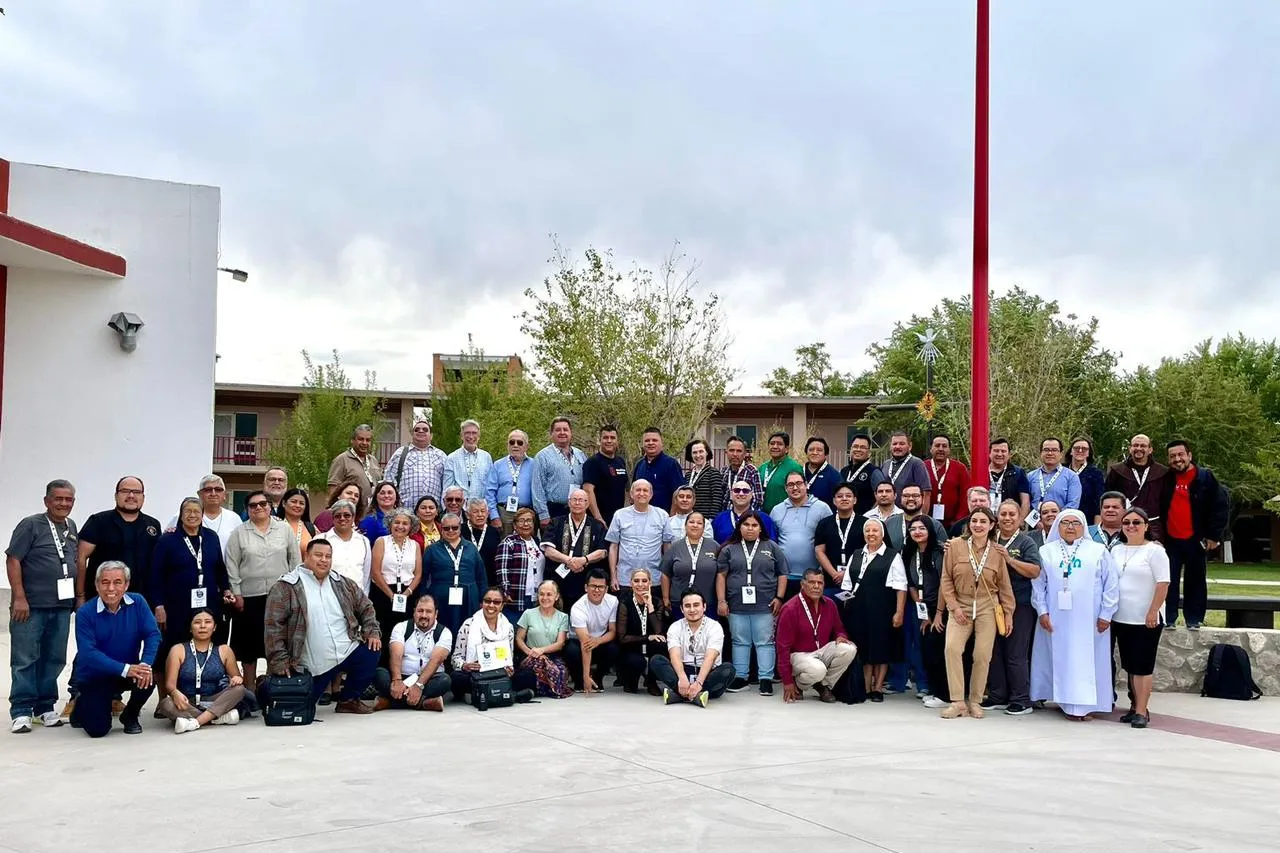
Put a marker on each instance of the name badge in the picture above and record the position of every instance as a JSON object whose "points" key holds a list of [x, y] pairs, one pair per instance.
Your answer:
{"points": [[922, 611], [494, 656], [748, 595], [939, 511], [845, 595], [199, 598], [562, 570], [66, 589], [513, 503], [1033, 518], [1064, 599], [455, 596], [399, 603]]}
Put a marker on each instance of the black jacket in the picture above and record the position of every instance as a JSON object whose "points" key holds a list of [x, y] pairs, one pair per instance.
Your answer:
{"points": [[1210, 505]]}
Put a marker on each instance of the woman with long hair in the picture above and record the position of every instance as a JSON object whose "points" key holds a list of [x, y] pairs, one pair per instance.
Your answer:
{"points": [[348, 490], [751, 579]]}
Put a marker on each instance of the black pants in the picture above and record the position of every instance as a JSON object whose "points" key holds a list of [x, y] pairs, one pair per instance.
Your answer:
{"points": [[1187, 555], [717, 680], [437, 685], [933, 646], [1009, 678], [521, 679], [93, 706], [633, 665], [602, 660]]}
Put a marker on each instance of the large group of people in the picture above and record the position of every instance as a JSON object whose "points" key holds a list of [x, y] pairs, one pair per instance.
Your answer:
{"points": [[562, 572]]}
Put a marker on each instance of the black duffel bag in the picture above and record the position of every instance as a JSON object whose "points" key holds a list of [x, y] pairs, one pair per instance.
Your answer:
{"points": [[491, 690], [286, 700]]}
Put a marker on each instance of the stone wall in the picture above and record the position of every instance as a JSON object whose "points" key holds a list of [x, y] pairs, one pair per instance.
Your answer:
{"points": [[1183, 655]]}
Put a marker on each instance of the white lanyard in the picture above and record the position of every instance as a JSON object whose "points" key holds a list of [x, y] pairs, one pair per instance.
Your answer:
{"points": [[1044, 489], [60, 543], [399, 551], [821, 468], [693, 558], [198, 553], [893, 476], [765, 478], [365, 462], [844, 540], [199, 667], [456, 557], [695, 474], [1142, 481], [643, 610], [978, 567], [424, 636], [693, 641], [854, 475], [484, 531], [749, 556], [804, 605], [575, 536], [997, 481], [941, 478], [515, 474], [867, 557]]}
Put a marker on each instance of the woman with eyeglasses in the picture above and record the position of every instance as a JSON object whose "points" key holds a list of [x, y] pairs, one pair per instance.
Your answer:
{"points": [[1143, 567], [540, 637], [396, 574], [222, 521], [453, 574], [705, 479], [352, 553], [1075, 598], [520, 563], [348, 490], [486, 642], [386, 497], [295, 511], [260, 552], [426, 531]]}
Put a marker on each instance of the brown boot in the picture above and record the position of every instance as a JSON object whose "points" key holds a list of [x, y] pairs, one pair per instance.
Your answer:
{"points": [[433, 704], [381, 704], [352, 706], [825, 694]]}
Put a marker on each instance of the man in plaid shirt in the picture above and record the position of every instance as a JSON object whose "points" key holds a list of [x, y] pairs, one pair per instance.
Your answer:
{"points": [[417, 469], [735, 450]]}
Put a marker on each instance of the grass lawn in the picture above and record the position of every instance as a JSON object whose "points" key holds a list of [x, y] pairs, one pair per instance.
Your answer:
{"points": [[1242, 571]]}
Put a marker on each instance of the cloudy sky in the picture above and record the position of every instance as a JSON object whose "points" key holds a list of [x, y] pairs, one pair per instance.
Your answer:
{"points": [[389, 178]]}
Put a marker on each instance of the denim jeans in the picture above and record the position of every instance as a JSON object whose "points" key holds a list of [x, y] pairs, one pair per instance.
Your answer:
{"points": [[37, 654], [753, 629], [912, 655]]}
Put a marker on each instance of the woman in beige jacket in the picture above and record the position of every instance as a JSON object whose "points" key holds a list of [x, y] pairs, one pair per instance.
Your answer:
{"points": [[975, 578]]}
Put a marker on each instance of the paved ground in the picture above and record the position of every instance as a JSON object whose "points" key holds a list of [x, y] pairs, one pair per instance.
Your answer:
{"points": [[617, 772]]}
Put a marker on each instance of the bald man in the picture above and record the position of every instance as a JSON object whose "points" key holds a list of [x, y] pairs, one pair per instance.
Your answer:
{"points": [[1144, 482]]}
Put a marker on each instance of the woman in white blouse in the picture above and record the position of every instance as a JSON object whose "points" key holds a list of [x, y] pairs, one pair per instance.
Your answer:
{"points": [[352, 553], [1143, 566], [396, 572]]}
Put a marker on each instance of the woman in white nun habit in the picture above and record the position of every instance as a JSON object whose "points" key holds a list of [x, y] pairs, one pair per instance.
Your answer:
{"points": [[1075, 597]]}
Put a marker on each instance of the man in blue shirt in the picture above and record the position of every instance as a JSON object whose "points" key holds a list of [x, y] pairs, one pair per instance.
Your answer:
{"points": [[663, 472], [509, 484], [1053, 481], [557, 472], [797, 518], [1008, 481], [820, 478], [110, 630], [741, 501]]}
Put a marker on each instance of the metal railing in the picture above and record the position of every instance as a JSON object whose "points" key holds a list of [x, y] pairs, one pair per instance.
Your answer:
{"points": [[262, 450]]}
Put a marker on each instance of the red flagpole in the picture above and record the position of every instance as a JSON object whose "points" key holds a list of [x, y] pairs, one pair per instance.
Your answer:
{"points": [[980, 389]]}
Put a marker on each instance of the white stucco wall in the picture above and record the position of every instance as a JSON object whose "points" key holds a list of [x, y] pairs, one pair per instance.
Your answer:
{"points": [[75, 404]]}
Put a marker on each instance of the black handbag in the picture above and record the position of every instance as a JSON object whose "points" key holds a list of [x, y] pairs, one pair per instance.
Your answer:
{"points": [[491, 690], [286, 700]]}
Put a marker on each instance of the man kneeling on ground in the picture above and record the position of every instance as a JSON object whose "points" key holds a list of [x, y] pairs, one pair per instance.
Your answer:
{"points": [[692, 671], [322, 623], [419, 648]]}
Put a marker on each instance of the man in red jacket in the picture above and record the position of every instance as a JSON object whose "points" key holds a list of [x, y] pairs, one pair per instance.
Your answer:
{"points": [[950, 480], [813, 648]]}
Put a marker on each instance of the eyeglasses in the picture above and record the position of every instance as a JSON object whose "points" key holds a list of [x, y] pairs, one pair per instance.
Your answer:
{"points": [[450, 528], [1069, 522], [797, 484], [515, 442], [453, 500], [1134, 522], [261, 505], [496, 602], [342, 515], [212, 489], [133, 492]]}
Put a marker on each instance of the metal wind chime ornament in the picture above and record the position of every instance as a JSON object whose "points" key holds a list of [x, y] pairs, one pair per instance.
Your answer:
{"points": [[928, 405]]}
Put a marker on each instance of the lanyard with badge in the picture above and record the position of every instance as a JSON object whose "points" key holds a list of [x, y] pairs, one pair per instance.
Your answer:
{"points": [[748, 588], [696, 636], [853, 475], [1045, 487], [469, 461], [939, 509], [513, 500], [199, 667], [575, 536], [693, 558], [978, 568], [766, 476], [813, 623], [479, 543], [199, 595], [821, 468], [399, 601], [848, 594], [455, 591], [642, 608], [922, 609], [894, 475], [845, 559], [997, 486], [1070, 562], [66, 583]]}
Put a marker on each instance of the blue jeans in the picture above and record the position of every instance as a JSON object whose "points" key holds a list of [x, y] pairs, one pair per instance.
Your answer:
{"points": [[911, 652], [360, 666], [37, 654], [753, 629]]}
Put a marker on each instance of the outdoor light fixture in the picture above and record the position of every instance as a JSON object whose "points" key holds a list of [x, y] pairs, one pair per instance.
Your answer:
{"points": [[238, 275], [126, 325]]}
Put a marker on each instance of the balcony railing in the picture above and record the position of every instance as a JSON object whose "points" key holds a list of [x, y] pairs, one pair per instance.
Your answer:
{"points": [[261, 451]]}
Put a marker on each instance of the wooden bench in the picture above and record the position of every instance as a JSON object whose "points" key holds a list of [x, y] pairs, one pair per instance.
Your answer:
{"points": [[1246, 612]]}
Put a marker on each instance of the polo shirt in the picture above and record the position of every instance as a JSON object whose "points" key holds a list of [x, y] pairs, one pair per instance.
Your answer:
{"points": [[796, 526], [665, 476], [32, 545], [907, 471], [639, 537], [130, 542]]}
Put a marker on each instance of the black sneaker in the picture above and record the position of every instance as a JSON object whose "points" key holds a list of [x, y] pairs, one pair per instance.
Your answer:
{"points": [[1139, 721], [326, 698], [875, 696], [1016, 709], [738, 684], [994, 705], [766, 687]]}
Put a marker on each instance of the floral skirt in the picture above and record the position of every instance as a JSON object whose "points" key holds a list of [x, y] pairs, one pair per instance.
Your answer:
{"points": [[552, 676]]}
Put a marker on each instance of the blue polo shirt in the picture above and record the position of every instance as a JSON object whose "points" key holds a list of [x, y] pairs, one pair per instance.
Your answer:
{"points": [[796, 527]]}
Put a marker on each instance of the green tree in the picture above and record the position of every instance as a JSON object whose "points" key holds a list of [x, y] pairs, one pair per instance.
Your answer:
{"points": [[629, 348], [814, 377], [484, 392], [1256, 362], [319, 426], [1049, 375]]}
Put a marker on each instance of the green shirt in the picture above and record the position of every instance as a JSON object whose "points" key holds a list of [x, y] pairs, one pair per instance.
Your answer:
{"points": [[774, 479], [541, 630]]}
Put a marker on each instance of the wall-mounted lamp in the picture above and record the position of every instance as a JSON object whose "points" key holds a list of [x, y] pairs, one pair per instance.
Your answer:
{"points": [[126, 325], [238, 275]]}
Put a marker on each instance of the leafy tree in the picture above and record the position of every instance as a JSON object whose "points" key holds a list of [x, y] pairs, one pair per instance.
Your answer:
{"points": [[629, 348], [319, 426], [1256, 362], [814, 377]]}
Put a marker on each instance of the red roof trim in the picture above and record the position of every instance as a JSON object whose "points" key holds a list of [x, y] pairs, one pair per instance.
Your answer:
{"points": [[63, 247]]}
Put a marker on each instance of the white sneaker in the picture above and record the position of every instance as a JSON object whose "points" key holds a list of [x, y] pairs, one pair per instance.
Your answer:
{"points": [[228, 719], [182, 725], [934, 702], [21, 725], [50, 720]]}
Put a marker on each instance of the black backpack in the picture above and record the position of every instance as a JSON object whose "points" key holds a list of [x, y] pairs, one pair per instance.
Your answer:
{"points": [[1228, 674]]}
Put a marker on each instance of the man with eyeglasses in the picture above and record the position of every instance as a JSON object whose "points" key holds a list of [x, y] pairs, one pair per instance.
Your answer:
{"points": [[1144, 482], [468, 466], [455, 500], [741, 501], [212, 492], [357, 463], [124, 533], [797, 519], [418, 468], [275, 482], [510, 485]]}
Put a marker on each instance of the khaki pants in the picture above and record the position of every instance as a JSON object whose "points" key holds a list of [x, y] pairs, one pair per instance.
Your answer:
{"points": [[983, 629], [217, 704], [826, 665]]}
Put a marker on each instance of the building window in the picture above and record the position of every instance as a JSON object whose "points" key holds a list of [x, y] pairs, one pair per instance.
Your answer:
{"points": [[721, 434], [237, 501], [387, 430]]}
